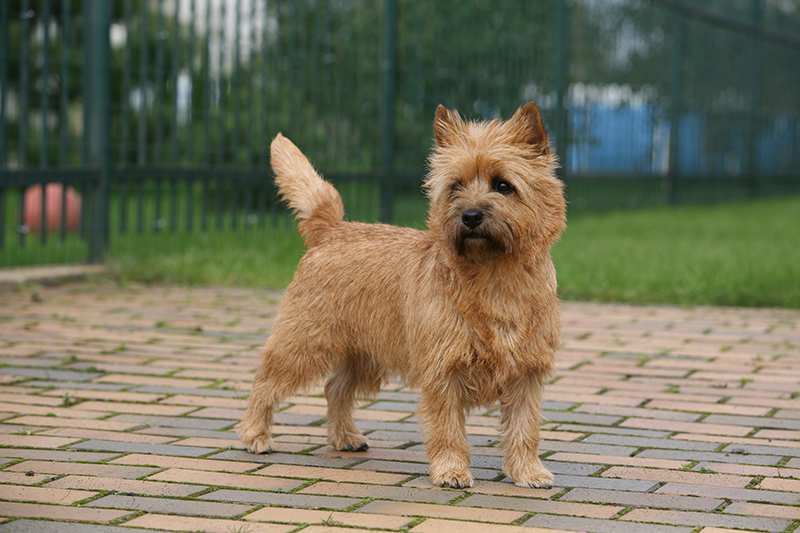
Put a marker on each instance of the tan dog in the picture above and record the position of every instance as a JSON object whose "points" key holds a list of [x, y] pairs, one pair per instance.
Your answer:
{"points": [[466, 311]]}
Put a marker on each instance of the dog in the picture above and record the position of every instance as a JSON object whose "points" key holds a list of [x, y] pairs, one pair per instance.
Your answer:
{"points": [[466, 311]]}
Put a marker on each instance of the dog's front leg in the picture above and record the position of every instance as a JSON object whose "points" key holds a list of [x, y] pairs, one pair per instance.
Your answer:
{"points": [[520, 406], [448, 450]]}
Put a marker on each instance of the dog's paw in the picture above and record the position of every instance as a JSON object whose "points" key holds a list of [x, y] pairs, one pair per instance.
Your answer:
{"points": [[538, 478], [455, 478], [350, 442], [255, 440]]}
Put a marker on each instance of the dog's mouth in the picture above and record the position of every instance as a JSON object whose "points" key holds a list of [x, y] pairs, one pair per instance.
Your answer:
{"points": [[476, 241]]}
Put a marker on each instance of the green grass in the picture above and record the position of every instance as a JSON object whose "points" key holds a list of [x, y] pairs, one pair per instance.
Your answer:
{"points": [[745, 254]]}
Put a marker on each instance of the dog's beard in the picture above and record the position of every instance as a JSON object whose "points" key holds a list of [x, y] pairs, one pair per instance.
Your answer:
{"points": [[479, 242]]}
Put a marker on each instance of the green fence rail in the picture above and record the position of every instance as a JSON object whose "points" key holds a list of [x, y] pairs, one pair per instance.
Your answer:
{"points": [[154, 115]]}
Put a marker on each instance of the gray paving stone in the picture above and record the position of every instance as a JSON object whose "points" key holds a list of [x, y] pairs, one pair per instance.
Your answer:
{"points": [[715, 457], [48, 374], [695, 519], [599, 526], [651, 443], [170, 506], [287, 458], [754, 421], [57, 455], [603, 483], [647, 433], [135, 447], [42, 526], [306, 501], [639, 499], [174, 421], [752, 495]]}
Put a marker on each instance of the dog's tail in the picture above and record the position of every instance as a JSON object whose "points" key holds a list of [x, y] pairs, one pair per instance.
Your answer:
{"points": [[315, 202]]}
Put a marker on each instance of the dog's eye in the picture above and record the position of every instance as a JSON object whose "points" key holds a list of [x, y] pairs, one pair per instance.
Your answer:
{"points": [[502, 186], [456, 186]]}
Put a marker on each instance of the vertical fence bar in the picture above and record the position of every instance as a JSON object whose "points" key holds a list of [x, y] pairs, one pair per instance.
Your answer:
{"points": [[97, 14], [756, 90], [388, 115], [175, 60], [158, 86], [236, 86], [142, 123], [44, 115], [679, 44], [126, 88], [22, 142], [63, 118], [190, 68], [561, 77], [4, 42]]}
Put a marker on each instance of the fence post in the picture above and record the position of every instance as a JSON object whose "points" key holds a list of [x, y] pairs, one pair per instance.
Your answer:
{"points": [[676, 106], [753, 117], [561, 71], [97, 14], [388, 115]]}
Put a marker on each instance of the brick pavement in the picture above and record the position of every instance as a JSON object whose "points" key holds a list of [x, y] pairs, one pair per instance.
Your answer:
{"points": [[116, 408]]}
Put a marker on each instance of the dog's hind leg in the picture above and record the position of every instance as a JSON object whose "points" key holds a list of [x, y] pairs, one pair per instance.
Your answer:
{"points": [[280, 375], [351, 378]]}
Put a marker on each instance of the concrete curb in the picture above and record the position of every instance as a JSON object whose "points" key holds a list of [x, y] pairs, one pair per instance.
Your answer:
{"points": [[12, 278]]}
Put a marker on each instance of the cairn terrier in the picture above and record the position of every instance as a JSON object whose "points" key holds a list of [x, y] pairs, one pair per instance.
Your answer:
{"points": [[466, 311]]}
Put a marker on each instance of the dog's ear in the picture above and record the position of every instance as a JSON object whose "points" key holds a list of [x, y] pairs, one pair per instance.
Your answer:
{"points": [[446, 125], [527, 127]]}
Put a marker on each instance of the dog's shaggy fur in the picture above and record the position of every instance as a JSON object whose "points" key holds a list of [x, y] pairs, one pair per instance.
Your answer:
{"points": [[466, 312]]}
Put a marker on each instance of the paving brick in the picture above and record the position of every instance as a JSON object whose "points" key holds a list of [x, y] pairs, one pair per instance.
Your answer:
{"points": [[791, 485], [285, 458], [172, 506], [768, 496], [600, 526], [86, 469], [721, 457], [305, 516], [34, 441], [530, 505], [128, 486], [405, 493], [60, 422], [208, 525], [106, 435], [288, 500], [494, 488], [173, 421], [437, 525], [626, 461], [638, 499], [722, 480], [165, 461], [226, 480], [332, 474], [763, 509], [441, 511], [40, 526], [132, 447], [23, 493], [695, 519], [689, 427], [59, 512], [55, 455]]}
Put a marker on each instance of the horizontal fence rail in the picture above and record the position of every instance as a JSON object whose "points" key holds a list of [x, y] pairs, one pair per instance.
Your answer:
{"points": [[130, 118]]}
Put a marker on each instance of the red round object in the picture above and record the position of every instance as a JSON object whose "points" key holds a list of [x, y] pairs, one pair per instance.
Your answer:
{"points": [[33, 208]]}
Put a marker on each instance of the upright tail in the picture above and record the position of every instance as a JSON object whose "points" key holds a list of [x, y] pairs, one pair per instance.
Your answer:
{"points": [[315, 202]]}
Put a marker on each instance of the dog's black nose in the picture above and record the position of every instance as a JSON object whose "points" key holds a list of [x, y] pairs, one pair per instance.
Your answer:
{"points": [[472, 218]]}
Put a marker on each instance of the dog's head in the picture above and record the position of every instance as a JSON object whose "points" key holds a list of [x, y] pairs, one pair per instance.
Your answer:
{"points": [[492, 185]]}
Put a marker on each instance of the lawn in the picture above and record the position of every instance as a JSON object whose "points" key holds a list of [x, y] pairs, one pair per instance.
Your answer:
{"points": [[744, 254]]}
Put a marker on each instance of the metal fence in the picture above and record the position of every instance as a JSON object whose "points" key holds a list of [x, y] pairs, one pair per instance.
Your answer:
{"points": [[155, 115]]}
